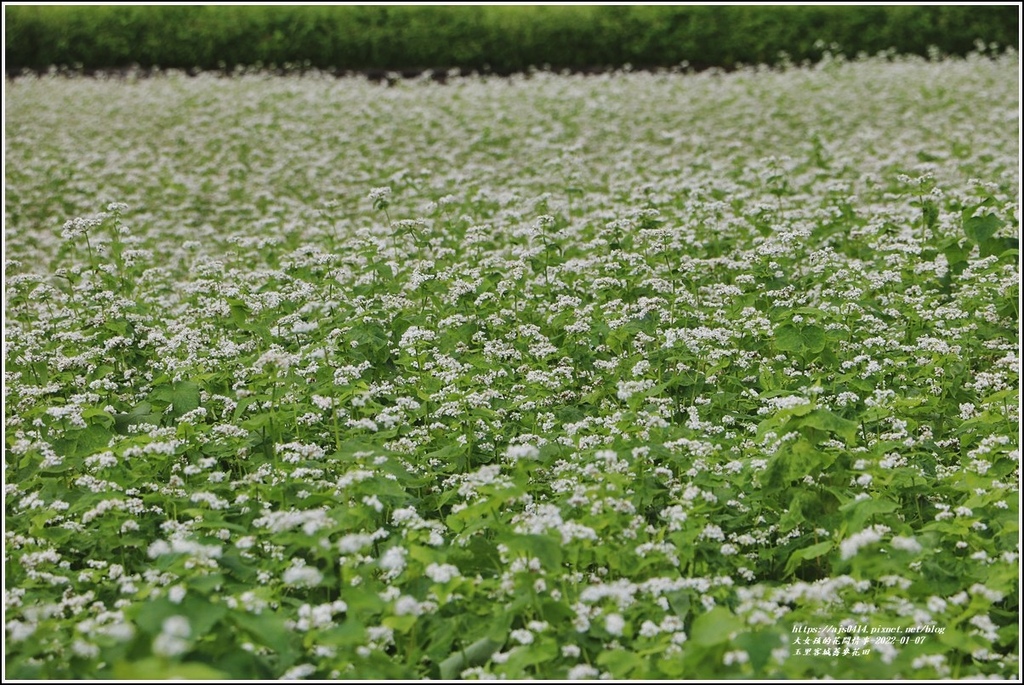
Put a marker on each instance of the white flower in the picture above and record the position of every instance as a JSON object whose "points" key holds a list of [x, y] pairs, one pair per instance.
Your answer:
{"points": [[906, 544], [441, 573], [19, 631], [649, 629], [173, 637], [379, 197], [299, 672], [522, 636], [627, 389], [850, 546], [522, 452], [300, 575], [84, 649], [393, 561], [408, 606], [614, 624], [353, 542], [582, 672]]}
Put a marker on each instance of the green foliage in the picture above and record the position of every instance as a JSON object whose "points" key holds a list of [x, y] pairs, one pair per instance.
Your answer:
{"points": [[644, 376], [496, 38]]}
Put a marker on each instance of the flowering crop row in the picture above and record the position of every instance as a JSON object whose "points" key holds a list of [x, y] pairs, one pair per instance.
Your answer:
{"points": [[630, 376]]}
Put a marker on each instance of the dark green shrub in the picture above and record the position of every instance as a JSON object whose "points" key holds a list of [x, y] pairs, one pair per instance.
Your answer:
{"points": [[500, 38]]}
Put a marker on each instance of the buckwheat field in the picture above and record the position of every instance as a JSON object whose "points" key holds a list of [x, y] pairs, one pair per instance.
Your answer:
{"points": [[634, 375]]}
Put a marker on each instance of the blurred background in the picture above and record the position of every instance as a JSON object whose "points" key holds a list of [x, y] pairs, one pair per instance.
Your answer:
{"points": [[489, 39]]}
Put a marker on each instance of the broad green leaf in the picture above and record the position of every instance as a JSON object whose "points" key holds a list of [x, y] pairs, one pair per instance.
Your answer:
{"points": [[715, 627], [150, 615], [547, 549], [621, 663], [206, 583], [556, 612], [184, 397], [98, 416], [672, 667], [800, 339], [812, 552], [759, 647], [858, 512], [981, 228], [680, 603], [425, 555], [478, 556], [267, 628], [240, 312], [795, 460], [794, 515], [1005, 248], [85, 441], [782, 418], [200, 612], [474, 655], [400, 624], [477, 516], [543, 650], [823, 419], [348, 633], [156, 668], [140, 413]]}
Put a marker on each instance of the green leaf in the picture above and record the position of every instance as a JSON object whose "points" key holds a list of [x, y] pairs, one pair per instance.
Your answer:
{"points": [[478, 556], [426, 555], [680, 603], [151, 615], [858, 512], [620, 663], [823, 419], [715, 627], [400, 624], [206, 583], [674, 668], [141, 413], [956, 252], [812, 552], [95, 415], [981, 228], [759, 647], [184, 398], [348, 633], [782, 417], [1006, 248], [794, 515], [474, 655], [543, 650], [800, 340], [268, 629], [795, 460], [83, 442], [480, 514], [239, 312], [547, 549], [160, 669]]}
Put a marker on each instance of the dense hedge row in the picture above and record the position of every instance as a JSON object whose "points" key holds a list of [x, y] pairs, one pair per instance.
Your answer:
{"points": [[497, 38]]}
